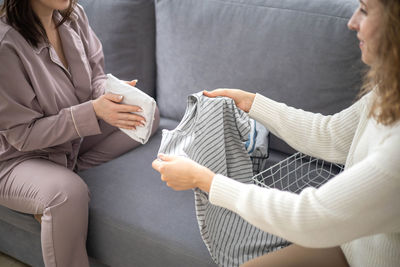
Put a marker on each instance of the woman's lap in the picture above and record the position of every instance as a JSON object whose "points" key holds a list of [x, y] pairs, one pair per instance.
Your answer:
{"points": [[112, 143], [35, 183]]}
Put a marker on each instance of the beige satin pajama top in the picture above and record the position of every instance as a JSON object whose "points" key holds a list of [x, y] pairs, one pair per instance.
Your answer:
{"points": [[45, 109]]}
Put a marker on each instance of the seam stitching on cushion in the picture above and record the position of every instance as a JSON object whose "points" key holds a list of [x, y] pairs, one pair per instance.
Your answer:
{"points": [[287, 9]]}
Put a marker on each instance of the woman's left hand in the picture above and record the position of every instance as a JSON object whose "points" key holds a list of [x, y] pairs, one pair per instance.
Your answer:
{"points": [[181, 173]]}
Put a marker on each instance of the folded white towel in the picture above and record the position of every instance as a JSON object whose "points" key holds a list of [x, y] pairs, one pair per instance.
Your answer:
{"points": [[134, 96]]}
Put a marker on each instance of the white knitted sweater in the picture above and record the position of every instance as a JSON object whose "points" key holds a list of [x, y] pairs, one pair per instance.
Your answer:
{"points": [[359, 209]]}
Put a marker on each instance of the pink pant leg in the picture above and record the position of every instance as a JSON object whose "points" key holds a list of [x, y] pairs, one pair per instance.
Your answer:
{"points": [[38, 186], [112, 143]]}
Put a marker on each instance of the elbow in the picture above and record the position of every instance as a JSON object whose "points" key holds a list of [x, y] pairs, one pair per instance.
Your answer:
{"points": [[21, 146], [314, 239]]}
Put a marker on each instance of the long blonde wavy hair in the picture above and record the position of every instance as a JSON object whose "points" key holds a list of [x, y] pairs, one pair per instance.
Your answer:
{"points": [[384, 74]]}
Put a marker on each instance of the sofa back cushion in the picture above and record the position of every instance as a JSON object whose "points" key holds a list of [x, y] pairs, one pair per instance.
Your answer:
{"points": [[127, 32], [299, 52]]}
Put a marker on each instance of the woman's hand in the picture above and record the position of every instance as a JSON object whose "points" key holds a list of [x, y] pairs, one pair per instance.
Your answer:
{"points": [[107, 108], [243, 99], [181, 173]]}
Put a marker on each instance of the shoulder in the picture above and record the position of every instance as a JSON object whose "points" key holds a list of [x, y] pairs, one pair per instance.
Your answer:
{"points": [[365, 102], [387, 153], [10, 39], [5, 30], [79, 12], [79, 16]]}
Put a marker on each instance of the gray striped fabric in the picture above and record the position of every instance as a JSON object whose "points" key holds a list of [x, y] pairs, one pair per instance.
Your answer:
{"points": [[212, 133]]}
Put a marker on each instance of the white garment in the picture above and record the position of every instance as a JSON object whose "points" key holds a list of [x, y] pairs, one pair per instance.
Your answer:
{"points": [[134, 96], [358, 209]]}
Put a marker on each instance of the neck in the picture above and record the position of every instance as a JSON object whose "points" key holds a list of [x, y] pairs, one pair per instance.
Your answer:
{"points": [[45, 14]]}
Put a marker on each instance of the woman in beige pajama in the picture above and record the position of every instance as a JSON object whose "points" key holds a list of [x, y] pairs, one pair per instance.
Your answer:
{"points": [[55, 120]]}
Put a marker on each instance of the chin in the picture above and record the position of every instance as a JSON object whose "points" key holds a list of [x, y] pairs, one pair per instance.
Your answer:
{"points": [[366, 58], [63, 4], [363, 59]]}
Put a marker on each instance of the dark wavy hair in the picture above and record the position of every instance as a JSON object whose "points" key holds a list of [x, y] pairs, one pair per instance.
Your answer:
{"points": [[19, 14], [384, 75]]}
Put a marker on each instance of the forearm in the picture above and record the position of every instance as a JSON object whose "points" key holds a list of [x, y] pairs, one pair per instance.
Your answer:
{"points": [[70, 123], [338, 212], [326, 137]]}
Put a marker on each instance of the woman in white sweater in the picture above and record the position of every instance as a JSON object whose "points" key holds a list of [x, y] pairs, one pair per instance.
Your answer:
{"points": [[354, 219]]}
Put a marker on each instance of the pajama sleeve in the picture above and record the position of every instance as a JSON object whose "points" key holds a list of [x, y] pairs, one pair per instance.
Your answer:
{"points": [[22, 121]]}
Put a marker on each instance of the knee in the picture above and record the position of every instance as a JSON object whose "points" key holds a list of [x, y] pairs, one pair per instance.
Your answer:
{"points": [[71, 190]]}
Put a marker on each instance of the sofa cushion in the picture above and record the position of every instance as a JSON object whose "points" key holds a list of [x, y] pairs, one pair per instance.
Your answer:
{"points": [[136, 219], [298, 52], [127, 32]]}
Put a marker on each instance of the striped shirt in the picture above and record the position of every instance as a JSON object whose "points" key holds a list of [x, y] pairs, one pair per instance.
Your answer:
{"points": [[212, 133]]}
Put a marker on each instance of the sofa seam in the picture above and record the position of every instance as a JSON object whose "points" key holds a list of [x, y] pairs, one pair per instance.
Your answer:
{"points": [[283, 8]]}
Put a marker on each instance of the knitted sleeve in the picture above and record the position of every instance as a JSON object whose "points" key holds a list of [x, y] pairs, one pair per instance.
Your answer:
{"points": [[360, 201], [325, 137]]}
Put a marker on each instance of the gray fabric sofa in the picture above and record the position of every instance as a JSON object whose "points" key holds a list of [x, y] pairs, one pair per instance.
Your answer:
{"points": [[295, 51]]}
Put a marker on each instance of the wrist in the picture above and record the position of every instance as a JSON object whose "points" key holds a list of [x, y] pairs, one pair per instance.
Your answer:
{"points": [[95, 107], [204, 178], [251, 98]]}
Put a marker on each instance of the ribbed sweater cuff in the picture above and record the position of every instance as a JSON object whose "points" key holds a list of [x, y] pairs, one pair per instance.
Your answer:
{"points": [[264, 108], [224, 191]]}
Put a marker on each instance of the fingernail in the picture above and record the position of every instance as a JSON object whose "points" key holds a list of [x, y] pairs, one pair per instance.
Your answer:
{"points": [[140, 110], [135, 80], [120, 97], [143, 122]]}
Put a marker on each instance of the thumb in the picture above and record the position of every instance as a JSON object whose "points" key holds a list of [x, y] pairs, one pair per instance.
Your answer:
{"points": [[208, 93], [216, 92], [132, 83], [165, 157], [114, 97]]}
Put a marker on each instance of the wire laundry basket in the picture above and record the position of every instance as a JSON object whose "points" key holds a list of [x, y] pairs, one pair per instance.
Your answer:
{"points": [[259, 163], [296, 173]]}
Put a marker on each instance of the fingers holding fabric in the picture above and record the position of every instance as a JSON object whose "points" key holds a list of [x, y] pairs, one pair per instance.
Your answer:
{"points": [[243, 100], [108, 108], [181, 173]]}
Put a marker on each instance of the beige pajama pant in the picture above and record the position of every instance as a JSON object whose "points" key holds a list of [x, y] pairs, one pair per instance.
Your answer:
{"points": [[39, 186]]}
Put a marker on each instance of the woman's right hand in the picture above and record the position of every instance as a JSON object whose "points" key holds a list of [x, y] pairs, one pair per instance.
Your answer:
{"points": [[107, 108], [243, 100]]}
